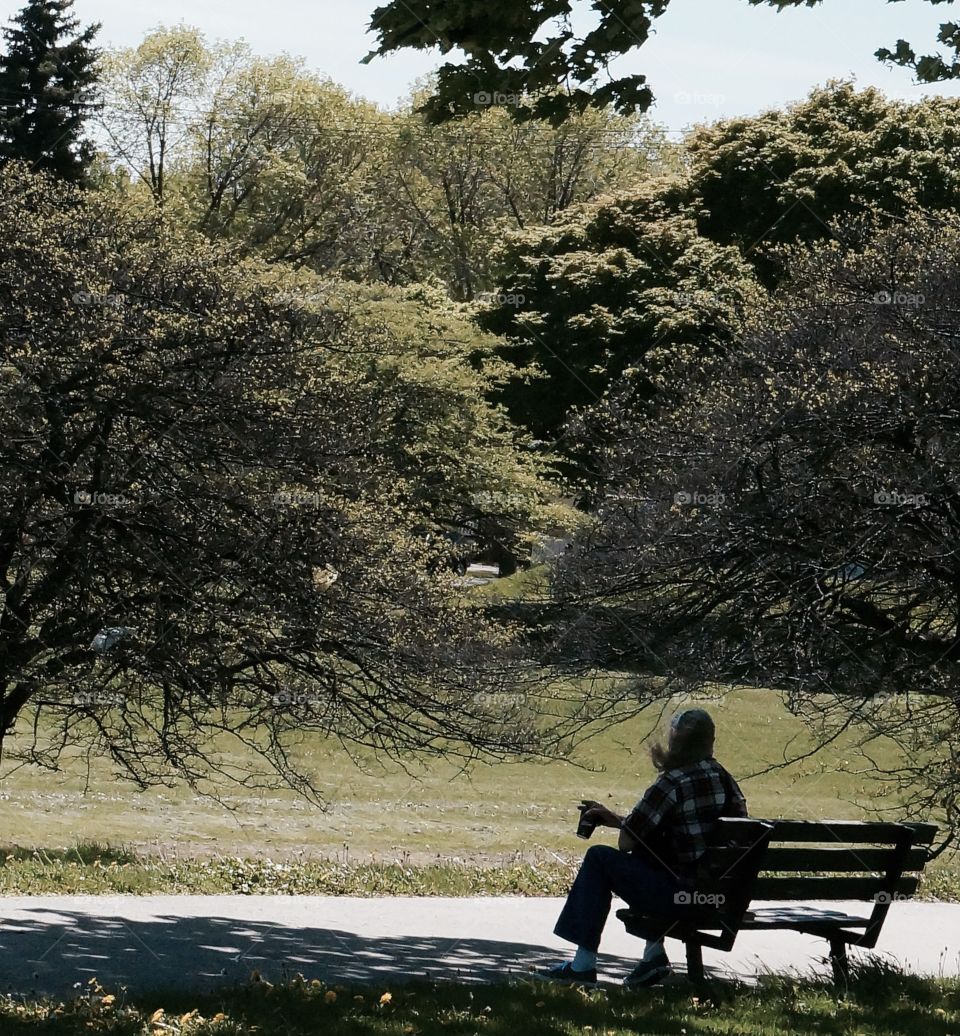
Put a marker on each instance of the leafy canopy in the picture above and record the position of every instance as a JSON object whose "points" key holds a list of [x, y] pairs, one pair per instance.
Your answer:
{"points": [[514, 48], [219, 508]]}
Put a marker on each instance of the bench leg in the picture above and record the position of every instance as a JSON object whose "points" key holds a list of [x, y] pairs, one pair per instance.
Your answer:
{"points": [[838, 960], [694, 961]]}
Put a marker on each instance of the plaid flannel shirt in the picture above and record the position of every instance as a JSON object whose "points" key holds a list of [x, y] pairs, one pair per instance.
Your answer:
{"points": [[674, 818]]}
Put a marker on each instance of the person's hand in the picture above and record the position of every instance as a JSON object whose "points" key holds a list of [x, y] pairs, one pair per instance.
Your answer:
{"points": [[600, 815]]}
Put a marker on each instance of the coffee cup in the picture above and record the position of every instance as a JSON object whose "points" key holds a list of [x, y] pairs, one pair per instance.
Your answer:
{"points": [[586, 827]]}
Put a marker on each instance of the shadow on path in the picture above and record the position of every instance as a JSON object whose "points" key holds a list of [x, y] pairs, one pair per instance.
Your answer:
{"points": [[48, 950]]}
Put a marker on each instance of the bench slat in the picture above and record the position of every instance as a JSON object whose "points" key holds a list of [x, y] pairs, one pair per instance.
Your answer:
{"points": [[790, 917], [849, 831], [739, 831], [823, 860], [808, 888]]}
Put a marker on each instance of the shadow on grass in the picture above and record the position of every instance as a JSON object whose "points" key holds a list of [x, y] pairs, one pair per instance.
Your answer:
{"points": [[299, 1009]]}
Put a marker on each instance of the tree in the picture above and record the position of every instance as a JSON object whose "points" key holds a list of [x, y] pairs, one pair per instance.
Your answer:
{"points": [[520, 49], [619, 287], [792, 522], [451, 456], [47, 86], [788, 175], [671, 262], [203, 534], [255, 151], [151, 96], [283, 163], [452, 191]]}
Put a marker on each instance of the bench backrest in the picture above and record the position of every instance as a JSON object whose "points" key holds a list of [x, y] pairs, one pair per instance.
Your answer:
{"points": [[877, 863], [843, 860]]}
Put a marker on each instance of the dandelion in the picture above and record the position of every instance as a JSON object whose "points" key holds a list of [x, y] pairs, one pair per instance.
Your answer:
{"points": [[330, 996], [108, 1000], [386, 998]]}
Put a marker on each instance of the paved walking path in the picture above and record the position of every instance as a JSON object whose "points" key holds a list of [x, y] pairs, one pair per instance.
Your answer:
{"points": [[48, 943]]}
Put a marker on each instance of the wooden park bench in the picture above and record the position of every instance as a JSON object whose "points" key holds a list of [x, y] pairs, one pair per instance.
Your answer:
{"points": [[789, 865]]}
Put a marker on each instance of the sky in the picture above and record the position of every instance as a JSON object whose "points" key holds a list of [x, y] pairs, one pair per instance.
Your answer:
{"points": [[709, 59]]}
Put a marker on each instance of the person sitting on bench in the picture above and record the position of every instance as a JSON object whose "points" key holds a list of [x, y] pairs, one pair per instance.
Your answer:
{"points": [[653, 869]]}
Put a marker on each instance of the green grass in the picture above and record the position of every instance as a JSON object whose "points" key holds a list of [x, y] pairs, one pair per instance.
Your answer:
{"points": [[38, 872], [520, 813], [118, 872], [525, 583], [879, 1002]]}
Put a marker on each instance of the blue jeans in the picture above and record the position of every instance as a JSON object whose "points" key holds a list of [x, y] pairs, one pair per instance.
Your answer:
{"points": [[607, 872]]}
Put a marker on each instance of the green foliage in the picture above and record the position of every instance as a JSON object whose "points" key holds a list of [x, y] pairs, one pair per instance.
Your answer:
{"points": [[257, 152], [527, 57], [283, 164], [455, 189], [195, 464], [47, 78], [622, 287], [787, 175], [632, 284], [791, 521], [449, 454]]}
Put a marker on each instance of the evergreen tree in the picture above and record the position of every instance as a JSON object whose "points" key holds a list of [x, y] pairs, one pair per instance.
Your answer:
{"points": [[47, 78]]}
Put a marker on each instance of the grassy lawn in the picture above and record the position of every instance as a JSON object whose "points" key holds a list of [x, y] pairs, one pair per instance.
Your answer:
{"points": [[422, 828], [878, 1001], [89, 869]]}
